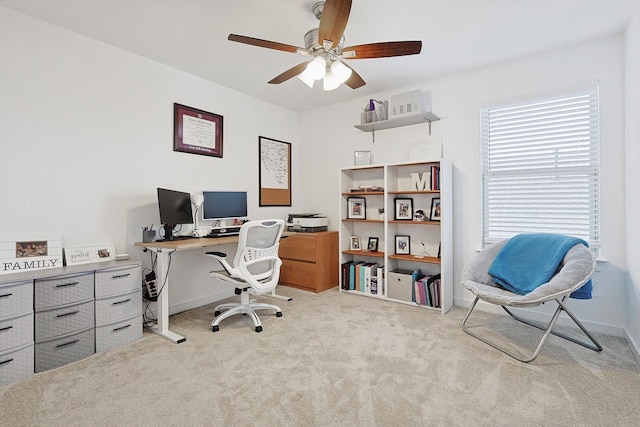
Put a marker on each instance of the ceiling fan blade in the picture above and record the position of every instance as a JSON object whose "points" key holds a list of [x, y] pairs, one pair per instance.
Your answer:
{"points": [[382, 50], [264, 43], [333, 21], [354, 81], [290, 73]]}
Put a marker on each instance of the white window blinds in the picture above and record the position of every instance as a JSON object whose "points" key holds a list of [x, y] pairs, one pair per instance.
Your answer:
{"points": [[541, 167]]}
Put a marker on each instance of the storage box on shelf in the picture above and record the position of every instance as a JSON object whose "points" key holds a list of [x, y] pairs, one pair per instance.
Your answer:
{"points": [[419, 184]]}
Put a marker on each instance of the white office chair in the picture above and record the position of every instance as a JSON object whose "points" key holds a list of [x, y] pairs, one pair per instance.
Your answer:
{"points": [[255, 270]]}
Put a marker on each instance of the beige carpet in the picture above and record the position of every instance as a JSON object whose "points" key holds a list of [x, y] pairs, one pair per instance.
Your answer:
{"points": [[332, 360]]}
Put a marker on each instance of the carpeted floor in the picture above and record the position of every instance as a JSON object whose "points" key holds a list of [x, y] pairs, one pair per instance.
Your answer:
{"points": [[333, 360]]}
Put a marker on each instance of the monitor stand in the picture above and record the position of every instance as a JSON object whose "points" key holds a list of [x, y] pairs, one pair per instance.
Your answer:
{"points": [[168, 231]]}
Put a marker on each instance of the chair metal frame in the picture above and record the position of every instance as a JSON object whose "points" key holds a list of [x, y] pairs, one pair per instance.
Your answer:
{"points": [[547, 331]]}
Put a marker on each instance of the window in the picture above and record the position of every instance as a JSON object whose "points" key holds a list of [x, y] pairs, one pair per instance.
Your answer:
{"points": [[541, 168]]}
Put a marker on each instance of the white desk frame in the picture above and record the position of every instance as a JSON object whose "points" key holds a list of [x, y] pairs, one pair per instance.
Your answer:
{"points": [[163, 250]]}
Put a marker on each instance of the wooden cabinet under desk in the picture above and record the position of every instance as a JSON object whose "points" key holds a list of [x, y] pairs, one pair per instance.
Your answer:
{"points": [[310, 261]]}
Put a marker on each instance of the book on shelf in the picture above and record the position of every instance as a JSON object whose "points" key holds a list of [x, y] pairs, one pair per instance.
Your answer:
{"points": [[370, 270], [345, 272], [380, 279]]}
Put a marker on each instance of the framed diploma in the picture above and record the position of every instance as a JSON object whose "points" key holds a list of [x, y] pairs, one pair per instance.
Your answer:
{"points": [[196, 131]]}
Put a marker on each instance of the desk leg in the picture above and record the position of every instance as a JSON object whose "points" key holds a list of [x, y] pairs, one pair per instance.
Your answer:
{"points": [[274, 295], [162, 327]]}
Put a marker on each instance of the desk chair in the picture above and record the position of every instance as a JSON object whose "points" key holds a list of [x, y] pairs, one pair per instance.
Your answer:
{"points": [[255, 270], [576, 269]]}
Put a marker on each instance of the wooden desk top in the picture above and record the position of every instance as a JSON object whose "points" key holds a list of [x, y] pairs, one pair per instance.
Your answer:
{"points": [[195, 243]]}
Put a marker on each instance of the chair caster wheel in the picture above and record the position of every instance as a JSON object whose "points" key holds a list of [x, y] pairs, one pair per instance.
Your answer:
{"points": [[215, 328], [278, 314], [216, 313], [258, 328]]}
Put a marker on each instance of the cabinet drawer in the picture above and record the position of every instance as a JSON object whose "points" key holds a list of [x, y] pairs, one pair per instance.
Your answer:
{"points": [[16, 332], [118, 334], [67, 349], [301, 248], [63, 290], [65, 320], [298, 273], [16, 298], [114, 309], [16, 364], [117, 281]]}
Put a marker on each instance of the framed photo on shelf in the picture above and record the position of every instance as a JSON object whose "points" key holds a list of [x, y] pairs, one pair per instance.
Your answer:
{"points": [[403, 245], [354, 243], [403, 209], [373, 244], [356, 208], [435, 209]]}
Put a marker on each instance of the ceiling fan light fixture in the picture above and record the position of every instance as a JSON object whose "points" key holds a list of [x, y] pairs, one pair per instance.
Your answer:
{"points": [[340, 71], [330, 82], [317, 68], [306, 79]]}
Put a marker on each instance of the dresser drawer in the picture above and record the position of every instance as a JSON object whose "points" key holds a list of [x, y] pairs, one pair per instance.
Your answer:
{"points": [[63, 290], [16, 364], [16, 298], [117, 281], [298, 273], [16, 331], [118, 334], [114, 309], [67, 349], [301, 248], [65, 320]]}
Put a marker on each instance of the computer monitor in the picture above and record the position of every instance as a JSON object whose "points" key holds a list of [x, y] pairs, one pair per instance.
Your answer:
{"points": [[219, 205], [175, 208]]}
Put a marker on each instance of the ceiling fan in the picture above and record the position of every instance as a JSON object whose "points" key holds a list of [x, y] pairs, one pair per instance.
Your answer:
{"points": [[325, 45]]}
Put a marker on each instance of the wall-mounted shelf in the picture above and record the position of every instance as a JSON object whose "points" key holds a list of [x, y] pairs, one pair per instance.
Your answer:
{"points": [[413, 119]]}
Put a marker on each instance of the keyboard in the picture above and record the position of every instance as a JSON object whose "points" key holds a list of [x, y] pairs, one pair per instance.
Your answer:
{"points": [[226, 234]]}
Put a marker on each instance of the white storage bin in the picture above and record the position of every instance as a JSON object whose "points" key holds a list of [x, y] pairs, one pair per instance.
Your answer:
{"points": [[16, 331], [117, 281], [110, 310], [16, 298], [63, 350], [16, 364], [63, 290], [118, 334], [399, 285], [64, 320]]}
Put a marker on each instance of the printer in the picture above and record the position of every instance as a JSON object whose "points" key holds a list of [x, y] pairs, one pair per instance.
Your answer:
{"points": [[307, 222]]}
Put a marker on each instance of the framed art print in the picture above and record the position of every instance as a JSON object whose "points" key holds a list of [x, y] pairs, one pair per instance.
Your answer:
{"points": [[356, 208], [403, 245], [196, 131], [403, 209], [435, 209]]}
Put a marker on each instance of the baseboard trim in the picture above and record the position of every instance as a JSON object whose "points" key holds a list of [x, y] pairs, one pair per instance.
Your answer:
{"points": [[195, 303], [635, 349]]}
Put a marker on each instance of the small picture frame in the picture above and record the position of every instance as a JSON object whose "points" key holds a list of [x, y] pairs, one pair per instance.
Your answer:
{"points": [[435, 209], [362, 158], [439, 250], [403, 209], [373, 244], [355, 244], [403, 245], [356, 208]]}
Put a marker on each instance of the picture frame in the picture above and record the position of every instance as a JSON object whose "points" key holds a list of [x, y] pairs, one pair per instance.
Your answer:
{"points": [[372, 246], [274, 173], [362, 158], [435, 209], [356, 208], [403, 209], [197, 131], [355, 244], [403, 245]]}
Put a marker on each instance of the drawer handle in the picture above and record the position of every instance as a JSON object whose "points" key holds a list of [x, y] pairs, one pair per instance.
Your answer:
{"points": [[64, 285], [5, 295], [6, 361], [122, 327], [6, 328], [121, 275], [68, 314], [67, 343], [121, 302]]}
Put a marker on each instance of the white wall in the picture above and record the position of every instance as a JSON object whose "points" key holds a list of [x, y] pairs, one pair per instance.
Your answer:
{"points": [[86, 136], [457, 99], [632, 192]]}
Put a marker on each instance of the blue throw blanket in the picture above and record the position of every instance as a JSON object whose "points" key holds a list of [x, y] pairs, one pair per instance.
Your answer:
{"points": [[529, 260]]}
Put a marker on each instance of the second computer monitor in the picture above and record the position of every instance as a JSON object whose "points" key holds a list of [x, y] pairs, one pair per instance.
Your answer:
{"points": [[219, 205]]}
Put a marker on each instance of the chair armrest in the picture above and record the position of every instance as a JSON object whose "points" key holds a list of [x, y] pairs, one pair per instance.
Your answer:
{"points": [[222, 258]]}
